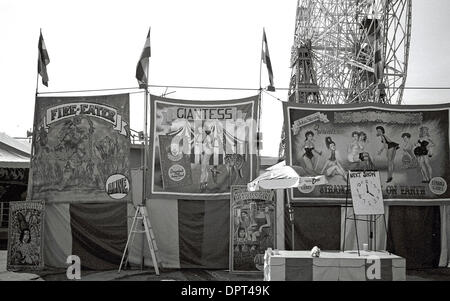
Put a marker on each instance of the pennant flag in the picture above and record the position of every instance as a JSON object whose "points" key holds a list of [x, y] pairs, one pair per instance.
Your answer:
{"points": [[266, 59], [43, 60], [142, 65]]}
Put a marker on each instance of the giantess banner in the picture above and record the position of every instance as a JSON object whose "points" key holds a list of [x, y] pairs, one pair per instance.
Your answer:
{"points": [[408, 145], [200, 148], [81, 149]]}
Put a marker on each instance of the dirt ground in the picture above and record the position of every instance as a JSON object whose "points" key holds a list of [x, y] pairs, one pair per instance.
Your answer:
{"points": [[440, 274], [148, 274]]}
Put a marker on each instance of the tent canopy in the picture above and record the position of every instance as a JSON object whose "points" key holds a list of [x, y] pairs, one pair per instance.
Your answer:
{"points": [[13, 153], [13, 160]]}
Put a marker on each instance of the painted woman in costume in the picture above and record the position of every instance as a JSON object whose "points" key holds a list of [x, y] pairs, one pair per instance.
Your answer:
{"points": [[423, 153], [364, 156], [258, 221], [207, 151], [391, 149], [353, 150], [332, 166], [309, 148], [244, 222], [198, 144], [241, 240], [25, 250], [409, 159]]}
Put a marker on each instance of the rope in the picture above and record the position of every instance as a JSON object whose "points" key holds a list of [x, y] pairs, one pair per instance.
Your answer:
{"points": [[209, 88]]}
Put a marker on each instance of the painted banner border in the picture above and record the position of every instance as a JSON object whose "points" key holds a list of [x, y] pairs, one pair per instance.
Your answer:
{"points": [[154, 100], [30, 204], [287, 106], [40, 110], [267, 195]]}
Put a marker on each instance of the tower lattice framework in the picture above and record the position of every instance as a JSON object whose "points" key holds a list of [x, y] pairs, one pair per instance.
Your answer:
{"points": [[349, 51], [358, 51]]}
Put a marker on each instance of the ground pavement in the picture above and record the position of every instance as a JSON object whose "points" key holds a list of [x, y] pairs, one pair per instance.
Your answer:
{"points": [[148, 274]]}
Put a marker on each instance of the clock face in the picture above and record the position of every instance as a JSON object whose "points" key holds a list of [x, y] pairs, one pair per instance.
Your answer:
{"points": [[366, 193]]}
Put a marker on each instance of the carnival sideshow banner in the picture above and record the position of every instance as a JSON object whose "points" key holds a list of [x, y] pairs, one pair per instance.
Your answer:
{"points": [[81, 149], [252, 228], [408, 145], [25, 235], [200, 148]]}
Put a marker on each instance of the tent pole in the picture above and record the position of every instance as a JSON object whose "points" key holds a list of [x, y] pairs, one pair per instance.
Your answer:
{"points": [[144, 169], [33, 136]]}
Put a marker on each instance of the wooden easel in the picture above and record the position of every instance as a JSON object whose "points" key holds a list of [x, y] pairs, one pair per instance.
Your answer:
{"points": [[142, 214], [372, 219]]}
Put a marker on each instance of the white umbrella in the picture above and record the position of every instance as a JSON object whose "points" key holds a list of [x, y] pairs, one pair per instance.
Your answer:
{"points": [[281, 176]]}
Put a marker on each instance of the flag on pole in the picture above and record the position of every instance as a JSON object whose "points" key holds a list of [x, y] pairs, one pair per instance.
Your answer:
{"points": [[142, 65], [43, 60], [266, 58]]}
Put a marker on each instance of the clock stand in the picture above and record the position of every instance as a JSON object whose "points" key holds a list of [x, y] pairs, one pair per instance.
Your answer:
{"points": [[371, 218]]}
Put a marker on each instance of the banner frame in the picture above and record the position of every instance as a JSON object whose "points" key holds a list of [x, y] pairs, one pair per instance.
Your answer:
{"points": [[154, 100], [326, 201]]}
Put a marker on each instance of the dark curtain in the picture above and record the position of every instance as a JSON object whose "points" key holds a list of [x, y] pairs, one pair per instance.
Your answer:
{"points": [[99, 234], [203, 229], [314, 226], [414, 233]]}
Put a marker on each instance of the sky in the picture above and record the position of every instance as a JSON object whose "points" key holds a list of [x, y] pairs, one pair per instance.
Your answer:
{"points": [[96, 45]]}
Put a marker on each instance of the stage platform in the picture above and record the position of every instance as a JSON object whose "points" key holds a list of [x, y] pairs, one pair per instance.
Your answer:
{"points": [[333, 266]]}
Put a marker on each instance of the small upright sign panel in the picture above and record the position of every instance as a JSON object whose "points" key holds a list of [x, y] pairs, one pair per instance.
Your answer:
{"points": [[117, 186], [366, 192], [252, 228], [25, 235], [175, 165]]}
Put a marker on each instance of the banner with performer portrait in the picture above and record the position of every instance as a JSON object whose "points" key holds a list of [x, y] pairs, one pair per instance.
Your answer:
{"points": [[252, 228], [25, 235], [407, 144], [81, 149], [200, 148]]}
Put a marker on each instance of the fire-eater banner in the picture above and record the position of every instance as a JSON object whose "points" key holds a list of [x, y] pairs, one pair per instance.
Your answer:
{"points": [[407, 144], [81, 149], [200, 148]]}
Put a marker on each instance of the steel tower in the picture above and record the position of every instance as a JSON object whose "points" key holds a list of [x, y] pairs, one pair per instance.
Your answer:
{"points": [[348, 51]]}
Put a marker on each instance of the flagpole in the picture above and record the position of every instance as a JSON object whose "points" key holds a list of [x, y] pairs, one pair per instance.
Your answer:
{"points": [[145, 167], [260, 63], [33, 135], [258, 160], [144, 171], [144, 175]]}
